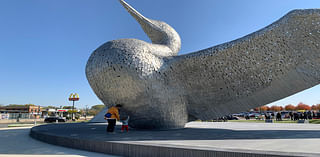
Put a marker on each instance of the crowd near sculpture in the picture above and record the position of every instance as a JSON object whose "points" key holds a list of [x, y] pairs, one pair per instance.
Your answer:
{"points": [[159, 89]]}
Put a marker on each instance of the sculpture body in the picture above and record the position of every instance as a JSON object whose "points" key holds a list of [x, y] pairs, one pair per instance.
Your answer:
{"points": [[160, 90]]}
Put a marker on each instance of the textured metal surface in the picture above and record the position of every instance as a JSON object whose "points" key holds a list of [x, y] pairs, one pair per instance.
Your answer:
{"points": [[162, 91]]}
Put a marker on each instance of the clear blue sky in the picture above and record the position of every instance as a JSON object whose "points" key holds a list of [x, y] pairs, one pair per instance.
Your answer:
{"points": [[44, 45]]}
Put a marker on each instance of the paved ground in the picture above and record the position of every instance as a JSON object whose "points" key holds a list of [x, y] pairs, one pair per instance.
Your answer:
{"points": [[303, 138], [3, 125], [17, 142], [276, 137]]}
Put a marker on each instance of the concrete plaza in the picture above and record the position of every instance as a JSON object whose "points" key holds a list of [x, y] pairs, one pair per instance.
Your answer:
{"points": [[207, 138], [16, 142]]}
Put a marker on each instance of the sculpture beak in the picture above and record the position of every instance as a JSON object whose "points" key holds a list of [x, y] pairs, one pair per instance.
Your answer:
{"points": [[135, 14]]}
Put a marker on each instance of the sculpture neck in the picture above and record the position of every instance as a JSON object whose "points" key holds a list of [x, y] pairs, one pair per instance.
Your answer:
{"points": [[161, 33]]}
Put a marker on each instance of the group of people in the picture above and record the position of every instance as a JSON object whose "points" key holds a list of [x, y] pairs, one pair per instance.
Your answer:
{"points": [[293, 115], [302, 115], [271, 115], [112, 115]]}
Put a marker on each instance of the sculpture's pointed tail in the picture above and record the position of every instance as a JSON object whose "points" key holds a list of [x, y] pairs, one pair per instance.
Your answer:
{"points": [[159, 32], [135, 14]]}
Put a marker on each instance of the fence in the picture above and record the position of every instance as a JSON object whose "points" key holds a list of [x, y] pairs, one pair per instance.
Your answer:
{"points": [[4, 116], [18, 115]]}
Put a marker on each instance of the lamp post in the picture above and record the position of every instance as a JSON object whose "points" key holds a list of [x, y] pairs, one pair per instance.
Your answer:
{"points": [[86, 112], [73, 97], [39, 111]]}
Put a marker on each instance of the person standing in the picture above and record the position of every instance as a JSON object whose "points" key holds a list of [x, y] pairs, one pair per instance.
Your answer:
{"points": [[278, 116], [309, 113], [291, 115], [295, 116], [112, 116], [305, 116]]}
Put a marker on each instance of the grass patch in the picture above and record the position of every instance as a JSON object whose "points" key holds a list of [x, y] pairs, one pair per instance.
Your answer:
{"points": [[24, 124], [285, 121], [262, 121], [247, 121], [19, 125], [314, 121]]}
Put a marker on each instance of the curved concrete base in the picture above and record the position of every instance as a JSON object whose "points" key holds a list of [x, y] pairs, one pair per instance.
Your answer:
{"points": [[197, 139]]}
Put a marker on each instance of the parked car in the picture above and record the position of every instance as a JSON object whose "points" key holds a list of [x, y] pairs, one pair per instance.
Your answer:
{"points": [[54, 119], [239, 115], [231, 117]]}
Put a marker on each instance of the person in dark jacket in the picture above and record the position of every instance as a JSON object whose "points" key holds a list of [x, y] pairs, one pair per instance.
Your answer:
{"points": [[291, 115], [295, 116], [278, 116]]}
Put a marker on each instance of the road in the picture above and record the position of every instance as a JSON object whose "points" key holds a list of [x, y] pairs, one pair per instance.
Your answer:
{"points": [[17, 142]]}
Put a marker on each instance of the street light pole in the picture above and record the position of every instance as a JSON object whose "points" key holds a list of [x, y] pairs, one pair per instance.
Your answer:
{"points": [[39, 111], [73, 97], [86, 113], [72, 111]]}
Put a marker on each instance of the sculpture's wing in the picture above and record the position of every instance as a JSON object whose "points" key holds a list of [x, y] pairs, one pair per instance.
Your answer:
{"points": [[265, 66]]}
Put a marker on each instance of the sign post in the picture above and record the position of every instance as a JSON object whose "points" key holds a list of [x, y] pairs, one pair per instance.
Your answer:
{"points": [[73, 97]]}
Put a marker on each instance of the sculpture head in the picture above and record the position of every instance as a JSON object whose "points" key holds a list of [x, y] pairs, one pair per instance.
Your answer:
{"points": [[159, 32]]}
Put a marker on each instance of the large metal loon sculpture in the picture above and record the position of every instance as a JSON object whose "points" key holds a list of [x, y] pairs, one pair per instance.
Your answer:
{"points": [[160, 90]]}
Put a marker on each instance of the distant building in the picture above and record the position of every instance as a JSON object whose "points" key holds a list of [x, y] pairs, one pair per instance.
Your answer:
{"points": [[23, 112], [60, 112]]}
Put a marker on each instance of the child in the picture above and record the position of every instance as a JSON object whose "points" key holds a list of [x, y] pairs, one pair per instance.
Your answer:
{"points": [[125, 124]]}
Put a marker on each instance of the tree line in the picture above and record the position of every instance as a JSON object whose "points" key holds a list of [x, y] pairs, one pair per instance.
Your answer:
{"points": [[289, 107], [18, 105]]}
